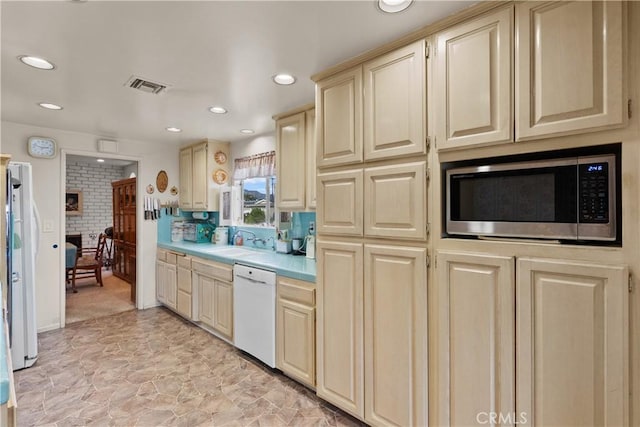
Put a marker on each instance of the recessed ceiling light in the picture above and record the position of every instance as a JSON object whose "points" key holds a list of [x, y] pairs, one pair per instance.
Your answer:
{"points": [[218, 110], [284, 79], [393, 6], [35, 62], [49, 106], [247, 131], [172, 129], [100, 160]]}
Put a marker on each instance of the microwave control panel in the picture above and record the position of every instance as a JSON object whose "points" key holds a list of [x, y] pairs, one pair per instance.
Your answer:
{"points": [[594, 192]]}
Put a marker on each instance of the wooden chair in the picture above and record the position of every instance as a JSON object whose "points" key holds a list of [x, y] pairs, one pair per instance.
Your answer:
{"points": [[89, 263]]}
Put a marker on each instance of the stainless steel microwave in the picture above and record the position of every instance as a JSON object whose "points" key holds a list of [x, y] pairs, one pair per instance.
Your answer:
{"points": [[566, 198]]}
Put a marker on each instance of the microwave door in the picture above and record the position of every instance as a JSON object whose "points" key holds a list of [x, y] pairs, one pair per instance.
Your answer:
{"points": [[529, 199]]}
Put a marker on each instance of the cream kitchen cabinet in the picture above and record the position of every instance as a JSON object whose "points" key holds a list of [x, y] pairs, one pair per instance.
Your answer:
{"points": [[565, 62], [340, 325], [339, 118], [570, 352], [572, 338], [395, 335], [372, 331], [395, 103], [295, 167], [569, 67], [296, 330], [166, 278], [473, 74], [476, 316], [214, 286], [388, 122], [340, 206], [395, 197], [184, 285], [311, 188], [198, 167]]}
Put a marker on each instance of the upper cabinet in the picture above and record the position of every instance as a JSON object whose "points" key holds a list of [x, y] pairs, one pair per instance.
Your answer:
{"points": [[374, 111], [339, 115], [394, 103], [567, 76], [198, 189], [474, 101], [569, 67], [295, 159]]}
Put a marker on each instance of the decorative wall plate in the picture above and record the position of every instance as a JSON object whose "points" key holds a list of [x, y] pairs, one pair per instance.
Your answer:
{"points": [[174, 191], [162, 180], [220, 176], [220, 158], [150, 189]]}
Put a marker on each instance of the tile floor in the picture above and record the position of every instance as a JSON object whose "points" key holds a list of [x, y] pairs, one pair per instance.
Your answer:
{"points": [[151, 368]]}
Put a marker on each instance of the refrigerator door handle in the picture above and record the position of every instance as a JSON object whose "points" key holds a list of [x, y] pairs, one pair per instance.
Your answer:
{"points": [[36, 236]]}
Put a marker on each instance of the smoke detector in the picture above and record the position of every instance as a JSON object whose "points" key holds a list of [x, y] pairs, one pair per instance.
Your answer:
{"points": [[146, 85]]}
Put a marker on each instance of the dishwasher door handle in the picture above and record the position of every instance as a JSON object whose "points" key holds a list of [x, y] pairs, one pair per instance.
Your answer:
{"points": [[251, 279]]}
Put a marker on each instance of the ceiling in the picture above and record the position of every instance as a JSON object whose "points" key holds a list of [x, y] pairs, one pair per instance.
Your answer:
{"points": [[209, 52]]}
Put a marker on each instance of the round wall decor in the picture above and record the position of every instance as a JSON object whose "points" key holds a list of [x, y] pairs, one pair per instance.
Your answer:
{"points": [[162, 180], [220, 176]]}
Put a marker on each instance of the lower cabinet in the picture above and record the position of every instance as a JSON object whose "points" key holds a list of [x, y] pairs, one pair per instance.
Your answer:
{"points": [[296, 330], [173, 281], [166, 283], [549, 340], [372, 331], [184, 298], [214, 283]]}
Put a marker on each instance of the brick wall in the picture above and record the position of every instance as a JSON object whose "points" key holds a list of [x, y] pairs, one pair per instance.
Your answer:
{"points": [[94, 180]]}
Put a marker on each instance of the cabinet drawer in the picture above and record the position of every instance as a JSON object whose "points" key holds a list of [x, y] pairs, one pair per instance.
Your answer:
{"points": [[184, 262], [213, 269], [171, 258], [161, 255], [297, 291]]}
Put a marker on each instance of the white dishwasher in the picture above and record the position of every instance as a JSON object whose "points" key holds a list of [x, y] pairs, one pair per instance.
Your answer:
{"points": [[254, 312]]}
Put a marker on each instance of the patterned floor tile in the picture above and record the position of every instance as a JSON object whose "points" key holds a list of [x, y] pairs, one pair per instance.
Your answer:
{"points": [[152, 368]]}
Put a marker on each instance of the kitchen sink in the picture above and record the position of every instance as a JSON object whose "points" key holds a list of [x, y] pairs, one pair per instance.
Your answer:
{"points": [[233, 252]]}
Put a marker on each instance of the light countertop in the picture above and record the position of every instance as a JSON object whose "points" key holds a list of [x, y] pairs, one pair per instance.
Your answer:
{"points": [[295, 267]]}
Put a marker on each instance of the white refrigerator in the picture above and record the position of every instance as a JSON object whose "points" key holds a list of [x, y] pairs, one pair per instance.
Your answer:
{"points": [[23, 241]]}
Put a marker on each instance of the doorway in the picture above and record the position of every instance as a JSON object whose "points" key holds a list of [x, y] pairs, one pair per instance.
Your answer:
{"points": [[89, 179]]}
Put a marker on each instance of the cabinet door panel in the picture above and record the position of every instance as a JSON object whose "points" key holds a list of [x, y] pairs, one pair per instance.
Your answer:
{"points": [[396, 201], [184, 279], [394, 105], [572, 343], [186, 178], [296, 341], [183, 305], [473, 69], [340, 205], [339, 114], [200, 177], [161, 279], [311, 158], [570, 68], [395, 301], [290, 162], [475, 372], [223, 308], [339, 325], [206, 308], [171, 287]]}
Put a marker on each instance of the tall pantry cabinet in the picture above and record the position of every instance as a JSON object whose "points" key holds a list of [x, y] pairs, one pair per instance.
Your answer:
{"points": [[372, 232]]}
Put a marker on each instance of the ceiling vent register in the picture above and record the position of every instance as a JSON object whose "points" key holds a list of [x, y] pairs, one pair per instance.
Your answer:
{"points": [[145, 85]]}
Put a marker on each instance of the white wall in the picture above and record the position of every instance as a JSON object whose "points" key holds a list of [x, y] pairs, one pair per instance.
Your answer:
{"points": [[49, 182], [255, 145]]}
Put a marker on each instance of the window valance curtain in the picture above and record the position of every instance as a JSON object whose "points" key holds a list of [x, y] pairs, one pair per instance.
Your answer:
{"points": [[256, 166]]}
